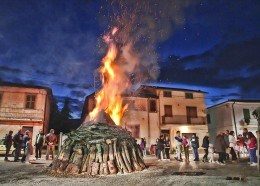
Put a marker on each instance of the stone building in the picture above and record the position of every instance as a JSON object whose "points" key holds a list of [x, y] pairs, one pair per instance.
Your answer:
{"points": [[25, 107], [234, 114], [155, 110]]}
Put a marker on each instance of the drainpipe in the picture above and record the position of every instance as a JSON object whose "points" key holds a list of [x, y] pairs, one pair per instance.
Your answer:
{"points": [[234, 117], [148, 118]]}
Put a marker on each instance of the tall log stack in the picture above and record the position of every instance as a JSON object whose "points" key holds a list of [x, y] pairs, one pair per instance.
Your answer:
{"points": [[99, 149]]}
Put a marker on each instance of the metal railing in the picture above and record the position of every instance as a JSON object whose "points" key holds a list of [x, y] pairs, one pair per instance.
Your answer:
{"points": [[183, 119]]}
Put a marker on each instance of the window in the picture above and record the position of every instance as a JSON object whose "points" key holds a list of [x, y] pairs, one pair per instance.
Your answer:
{"points": [[191, 113], [208, 118], [1, 98], [30, 101], [134, 129], [246, 113], [188, 95], [168, 110], [167, 94], [152, 105]]}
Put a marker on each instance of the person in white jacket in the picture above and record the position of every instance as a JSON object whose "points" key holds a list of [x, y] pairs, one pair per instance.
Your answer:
{"points": [[178, 143], [232, 144]]}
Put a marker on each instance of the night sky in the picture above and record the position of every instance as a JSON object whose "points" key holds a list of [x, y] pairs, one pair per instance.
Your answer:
{"points": [[212, 46]]}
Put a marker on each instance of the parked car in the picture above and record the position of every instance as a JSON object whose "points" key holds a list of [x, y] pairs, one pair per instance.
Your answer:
{"points": [[3, 149]]}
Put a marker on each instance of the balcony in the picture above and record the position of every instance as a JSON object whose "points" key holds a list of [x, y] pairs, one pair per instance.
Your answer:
{"points": [[7, 113], [182, 119]]}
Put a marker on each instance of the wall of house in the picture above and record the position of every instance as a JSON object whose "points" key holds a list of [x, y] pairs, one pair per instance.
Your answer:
{"points": [[239, 116], [5, 128], [13, 104], [14, 115], [220, 120], [221, 117]]}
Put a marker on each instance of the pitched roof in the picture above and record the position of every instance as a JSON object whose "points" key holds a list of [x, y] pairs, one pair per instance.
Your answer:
{"points": [[10, 84], [237, 100], [172, 88]]}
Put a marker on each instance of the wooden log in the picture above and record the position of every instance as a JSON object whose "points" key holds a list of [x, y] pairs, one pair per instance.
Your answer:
{"points": [[92, 156], [85, 159], [99, 153], [111, 167], [127, 163], [125, 148], [105, 158], [72, 168], [95, 168], [119, 157]]}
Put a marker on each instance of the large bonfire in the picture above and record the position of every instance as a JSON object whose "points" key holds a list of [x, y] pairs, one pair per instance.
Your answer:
{"points": [[100, 145]]}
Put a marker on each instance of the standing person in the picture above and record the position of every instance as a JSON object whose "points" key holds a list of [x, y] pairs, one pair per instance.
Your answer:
{"points": [[160, 148], [232, 144], [17, 142], [240, 145], [211, 153], [38, 144], [26, 147], [251, 146], [178, 142], [205, 146], [186, 146], [195, 145], [143, 146], [51, 140], [8, 144], [167, 147], [220, 147], [226, 138]]}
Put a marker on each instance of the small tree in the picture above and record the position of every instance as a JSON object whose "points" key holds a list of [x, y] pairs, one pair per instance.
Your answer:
{"points": [[65, 115], [54, 116]]}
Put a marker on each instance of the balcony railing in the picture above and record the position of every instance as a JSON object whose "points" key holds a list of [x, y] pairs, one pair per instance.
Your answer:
{"points": [[7, 113], [183, 119]]}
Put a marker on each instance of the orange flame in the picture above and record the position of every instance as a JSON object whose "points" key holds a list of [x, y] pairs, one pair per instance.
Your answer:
{"points": [[114, 83]]}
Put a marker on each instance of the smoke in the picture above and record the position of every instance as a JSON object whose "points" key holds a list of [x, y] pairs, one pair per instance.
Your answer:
{"points": [[142, 26]]}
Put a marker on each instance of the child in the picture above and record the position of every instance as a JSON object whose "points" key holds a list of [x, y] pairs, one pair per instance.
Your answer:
{"points": [[211, 153]]}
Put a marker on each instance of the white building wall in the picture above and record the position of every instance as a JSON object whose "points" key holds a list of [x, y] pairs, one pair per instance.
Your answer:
{"points": [[221, 117]]}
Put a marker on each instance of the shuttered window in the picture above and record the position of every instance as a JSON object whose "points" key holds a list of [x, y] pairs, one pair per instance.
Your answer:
{"points": [[246, 113], [168, 110], [152, 106], [188, 95], [167, 94], [30, 101]]}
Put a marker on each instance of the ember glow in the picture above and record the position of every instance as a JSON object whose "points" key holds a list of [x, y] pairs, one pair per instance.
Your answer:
{"points": [[114, 72]]}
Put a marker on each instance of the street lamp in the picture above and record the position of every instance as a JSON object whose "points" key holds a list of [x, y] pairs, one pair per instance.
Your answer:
{"points": [[256, 114]]}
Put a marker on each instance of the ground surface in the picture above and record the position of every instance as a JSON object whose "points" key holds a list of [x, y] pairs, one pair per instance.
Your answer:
{"points": [[158, 173]]}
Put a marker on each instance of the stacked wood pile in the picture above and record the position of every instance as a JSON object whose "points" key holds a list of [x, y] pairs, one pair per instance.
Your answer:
{"points": [[99, 149]]}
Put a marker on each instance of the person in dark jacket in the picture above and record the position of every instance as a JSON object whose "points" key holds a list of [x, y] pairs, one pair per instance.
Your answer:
{"points": [[25, 145], [160, 147], [220, 148], [205, 146], [38, 144], [195, 145], [226, 138], [8, 144], [17, 143]]}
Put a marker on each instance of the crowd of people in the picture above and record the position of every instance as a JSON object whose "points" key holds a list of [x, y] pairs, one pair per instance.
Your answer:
{"points": [[23, 142], [226, 145]]}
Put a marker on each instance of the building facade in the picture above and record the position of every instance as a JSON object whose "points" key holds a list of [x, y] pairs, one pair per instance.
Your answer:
{"points": [[154, 110], [233, 115], [24, 107]]}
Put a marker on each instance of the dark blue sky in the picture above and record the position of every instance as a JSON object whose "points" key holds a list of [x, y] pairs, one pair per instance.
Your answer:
{"points": [[208, 45]]}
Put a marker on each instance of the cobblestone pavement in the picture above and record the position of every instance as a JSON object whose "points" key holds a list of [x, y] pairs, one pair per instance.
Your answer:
{"points": [[158, 173]]}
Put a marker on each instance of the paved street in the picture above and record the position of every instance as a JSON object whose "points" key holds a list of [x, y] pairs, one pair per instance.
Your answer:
{"points": [[158, 173]]}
